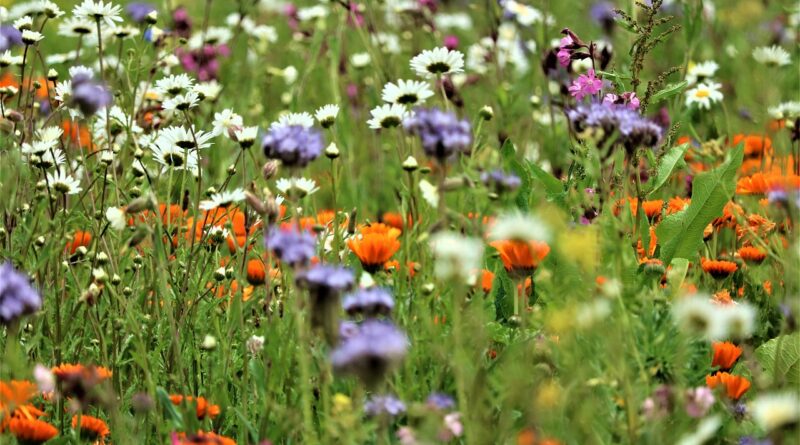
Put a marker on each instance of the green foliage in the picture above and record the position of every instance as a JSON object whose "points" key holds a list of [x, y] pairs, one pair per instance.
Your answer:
{"points": [[780, 358]]}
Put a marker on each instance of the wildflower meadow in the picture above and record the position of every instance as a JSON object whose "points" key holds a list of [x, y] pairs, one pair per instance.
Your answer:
{"points": [[414, 222]]}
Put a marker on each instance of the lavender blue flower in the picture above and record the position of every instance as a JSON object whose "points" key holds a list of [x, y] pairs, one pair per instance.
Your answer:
{"points": [[9, 36], [384, 405], [88, 95], [17, 297], [440, 401], [138, 11], [325, 284], [605, 121], [294, 145], [290, 245], [442, 134], [370, 302], [372, 352], [500, 181]]}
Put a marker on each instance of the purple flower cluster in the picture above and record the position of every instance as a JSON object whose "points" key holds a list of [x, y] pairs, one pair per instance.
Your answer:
{"points": [[370, 302], [500, 181], [17, 297], [138, 11], [203, 61], [294, 145], [372, 352], [384, 406], [629, 128], [325, 284], [442, 134], [88, 95], [440, 401], [290, 245]]}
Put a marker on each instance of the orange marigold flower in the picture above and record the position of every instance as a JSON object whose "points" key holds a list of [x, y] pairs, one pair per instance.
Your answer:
{"points": [[722, 297], [730, 213], [767, 287], [651, 208], [521, 257], [203, 438], [256, 272], [725, 354], [676, 204], [393, 265], [756, 225], [487, 280], [374, 249], [68, 371], [380, 228], [735, 386], [761, 183], [31, 431], [651, 247], [15, 393], [203, 407], [718, 269], [754, 145], [395, 220], [79, 239], [752, 254], [92, 428], [77, 134]]}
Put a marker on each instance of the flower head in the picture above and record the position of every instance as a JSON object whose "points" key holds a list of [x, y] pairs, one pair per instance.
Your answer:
{"points": [[772, 55], [293, 145], [371, 352], [442, 134], [704, 95], [384, 405], [98, 11], [437, 62], [369, 302], [586, 85], [291, 245]]}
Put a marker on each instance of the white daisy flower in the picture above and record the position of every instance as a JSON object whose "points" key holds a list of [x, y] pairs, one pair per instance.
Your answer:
{"points": [[518, 226], [246, 136], [701, 71], [74, 27], [31, 37], [174, 157], [38, 147], [63, 91], [300, 187], [326, 115], [208, 90], [81, 70], [123, 32], [214, 35], [174, 84], [704, 95], [360, 60], [430, 193], [406, 92], [51, 158], [388, 43], [458, 20], [61, 182], [181, 102], [226, 121], [698, 315], [457, 256], [772, 55], [387, 116], [786, 110], [98, 11], [312, 13], [264, 33], [51, 133], [290, 74], [7, 59], [50, 9], [23, 23], [184, 139], [222, 199], [438, 61], [303, 119], [116, 218], [772, 411], [524, 15]]}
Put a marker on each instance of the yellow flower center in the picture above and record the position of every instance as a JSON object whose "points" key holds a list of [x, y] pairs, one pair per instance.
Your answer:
{"points": [[702, 93]]}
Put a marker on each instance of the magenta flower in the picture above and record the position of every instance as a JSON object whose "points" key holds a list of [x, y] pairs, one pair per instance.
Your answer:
{"points": [[585, 85], [564, 52], [628, 99]]}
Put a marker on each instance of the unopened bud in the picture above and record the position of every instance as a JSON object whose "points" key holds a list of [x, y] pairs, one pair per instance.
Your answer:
{"points": [[486, 113], [270, 169], [410, 164], [52, 75], [255, 203], [332, 151], [219, 274], [151, 18]]}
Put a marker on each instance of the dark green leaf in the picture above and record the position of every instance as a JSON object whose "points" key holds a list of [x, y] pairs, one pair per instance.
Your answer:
{"points": [[668, 163]]}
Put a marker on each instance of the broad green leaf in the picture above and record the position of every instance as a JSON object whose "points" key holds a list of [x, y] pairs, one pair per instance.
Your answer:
{"points": [[681, 233], [677, 273], [523, 196], [668, 163], [507, 150], [780, 358], [669, 91], [551, 184]]}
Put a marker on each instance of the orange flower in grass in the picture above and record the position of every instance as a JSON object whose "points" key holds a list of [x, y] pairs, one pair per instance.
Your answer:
{"points": [[487, 280], [394, 265], [374, 249], [752, 255], [92, 428], [735, 386], [203, 438], [719, 269], [77, 134], [521, 257], [652, 246], [203, 407], [652, 209], [31, 431], [755, 225], [722, 297], [754, 145], [68, 371], [16, 393], [761, 183], [79, 239], [725, 354], [677, 204], [380, 228]]}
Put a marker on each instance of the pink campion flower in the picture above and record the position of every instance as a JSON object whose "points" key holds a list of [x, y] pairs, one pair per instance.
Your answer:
{"points": [[355, 17], [564, 54], [628, 99], [451, 42], [698, 401], [585, 85]]}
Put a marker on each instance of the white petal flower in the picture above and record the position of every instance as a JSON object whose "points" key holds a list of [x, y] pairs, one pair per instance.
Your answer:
{"points": [[772, 55], [519, 227], [98, 11], [701, 71], [303, 119], [326, 115], [225, 121], [181, 102], [223, 199], [296, 186], [387, 116], [61, 182], [31, 37], [429, 193], [116, 218], [174, 84], [437, 62], [772, 411], [457, 256], [704, 95], [406, 92]]}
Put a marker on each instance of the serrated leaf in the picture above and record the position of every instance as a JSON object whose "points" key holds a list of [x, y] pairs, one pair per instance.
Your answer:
{"points": [[668, 163], [669, 91], [682, 232], [782, 365]]}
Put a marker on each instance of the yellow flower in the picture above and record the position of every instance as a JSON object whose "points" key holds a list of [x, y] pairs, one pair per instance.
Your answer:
{"points": [[342, 403]]}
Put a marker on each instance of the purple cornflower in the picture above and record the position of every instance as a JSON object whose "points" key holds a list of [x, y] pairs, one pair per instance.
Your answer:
{"points": [[293, 145], [500, 181], [325, 284], [586, 85], [17, 297], [370, 302], [699, 401], [441, 132], [384, 405], [372, 352], [628, 99], [290, 245], [138, 11], [9, 36], [440, 401], [88, 95]]}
